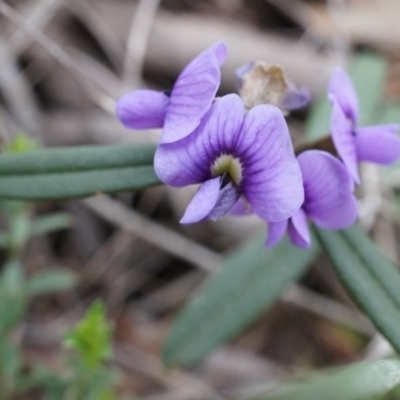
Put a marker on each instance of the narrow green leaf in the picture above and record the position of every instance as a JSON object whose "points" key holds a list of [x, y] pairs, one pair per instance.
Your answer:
{"points": [[51, 281], [250, 280], [367, 289], [66, 185], [41, 226], [362, 381], [50, 223], [76, 171], [12, 296], [77, 158], [378, 265]]}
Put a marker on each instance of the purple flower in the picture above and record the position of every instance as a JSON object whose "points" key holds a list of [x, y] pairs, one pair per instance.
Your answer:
{"points": [[180, 112], [328, 199], [379, 144], [233, 155]]}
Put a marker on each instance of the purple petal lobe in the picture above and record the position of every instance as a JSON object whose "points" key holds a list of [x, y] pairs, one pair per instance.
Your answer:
{"points": [[342, 88], [343, 139], [298, 231], [244, 69], [221, 51], [193, 93], [276, 230], [203, 202], [272, 182], [189, 160], [227, 198], [379, 144], [142, 109], [295, 98], [329, 200], [174, 166]]}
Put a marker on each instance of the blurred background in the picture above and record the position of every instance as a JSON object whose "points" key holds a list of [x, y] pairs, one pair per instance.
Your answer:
{"points": [[63, 64]]}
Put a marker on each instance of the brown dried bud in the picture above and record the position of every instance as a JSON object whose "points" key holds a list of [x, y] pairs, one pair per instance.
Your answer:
{"points": [[264, 85]]}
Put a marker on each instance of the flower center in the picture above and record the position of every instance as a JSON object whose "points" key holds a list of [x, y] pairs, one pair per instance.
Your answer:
{"points": [[226, 164]]}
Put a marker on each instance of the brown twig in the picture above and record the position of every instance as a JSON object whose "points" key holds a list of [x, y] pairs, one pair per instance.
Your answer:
{"points": [[86, 80], [154, 233], [137, 41]]}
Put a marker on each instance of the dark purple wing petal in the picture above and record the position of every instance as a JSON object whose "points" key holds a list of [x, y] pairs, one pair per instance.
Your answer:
{"points": [[298, 231], [189, 160], [329, 200], [344, 139], [193, 93], [227, 198], [342, 88], [272, 182], [276, 230], [203, 202], [379, 144], [142, 109]]}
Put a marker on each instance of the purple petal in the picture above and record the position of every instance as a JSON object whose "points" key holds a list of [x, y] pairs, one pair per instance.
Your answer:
{"points": [[244, 69], [203, 202], [295, 98], [343, 139], [189, 160], [142, 109], [193, 93], [227, 198], [272, 181], [276, 230], [174, 166], [379, 144], [328, 187], [342, 88], [298, 231]]}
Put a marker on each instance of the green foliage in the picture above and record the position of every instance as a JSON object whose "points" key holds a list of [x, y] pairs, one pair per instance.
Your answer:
{"points": [[24, 228], [50, 223], [361, 381], [51, 281], [91, 337], [370, 279], [20, 144], [19, 223], [12, 297], [89, 378], [27, 172], [250, 281], [85, 374]]}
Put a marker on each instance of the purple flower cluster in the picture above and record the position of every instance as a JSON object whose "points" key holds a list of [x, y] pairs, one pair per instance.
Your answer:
{"points": [[244, 159]]}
